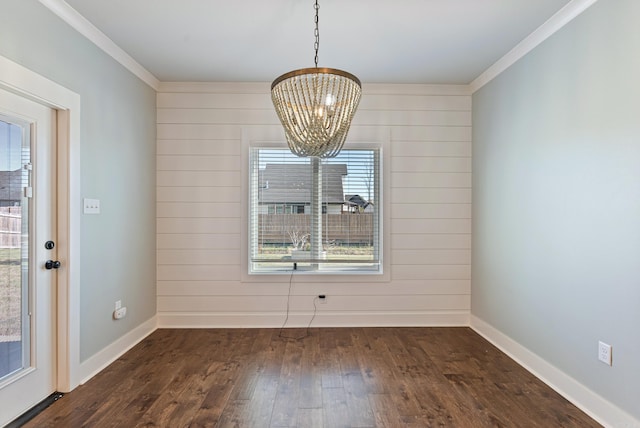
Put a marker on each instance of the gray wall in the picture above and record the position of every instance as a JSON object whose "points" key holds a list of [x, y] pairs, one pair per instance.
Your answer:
{"points": [[117, 166], [556, 206]]}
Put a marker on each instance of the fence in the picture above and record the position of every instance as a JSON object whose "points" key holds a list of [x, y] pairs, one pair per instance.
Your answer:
{"points": [[10, 227], [338, 228]]}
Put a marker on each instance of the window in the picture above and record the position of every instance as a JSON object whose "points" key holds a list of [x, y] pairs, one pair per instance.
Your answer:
{"points": [[314, 215]]}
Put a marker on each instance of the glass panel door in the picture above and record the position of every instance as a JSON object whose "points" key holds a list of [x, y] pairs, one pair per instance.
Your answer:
{"points": [[27, 222], [15, 168]]}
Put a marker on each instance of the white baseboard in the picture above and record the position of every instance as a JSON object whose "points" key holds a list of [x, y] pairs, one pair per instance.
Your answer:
{"points": [[322, 319], [98, 362], [582, 397]]}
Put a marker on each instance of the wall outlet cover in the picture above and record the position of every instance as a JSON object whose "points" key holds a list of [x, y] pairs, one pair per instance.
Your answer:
{"points": [[604, 353], [119, 313]]}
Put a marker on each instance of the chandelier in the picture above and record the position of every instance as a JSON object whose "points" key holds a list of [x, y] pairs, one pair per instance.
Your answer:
{"points": [[316, 106]]}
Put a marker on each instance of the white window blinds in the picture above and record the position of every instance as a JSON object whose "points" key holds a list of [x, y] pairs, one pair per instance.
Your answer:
{"points": [[314, 214]]}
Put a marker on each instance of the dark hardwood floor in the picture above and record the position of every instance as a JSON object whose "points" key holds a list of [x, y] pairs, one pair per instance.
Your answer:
{"points": [[336, 377]]}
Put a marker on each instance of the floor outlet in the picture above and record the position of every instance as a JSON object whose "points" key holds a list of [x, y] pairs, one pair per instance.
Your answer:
{"points": [[604, 353]]}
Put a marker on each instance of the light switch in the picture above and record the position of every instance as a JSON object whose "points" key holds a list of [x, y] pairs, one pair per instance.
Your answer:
{"points": [[91, 206]]}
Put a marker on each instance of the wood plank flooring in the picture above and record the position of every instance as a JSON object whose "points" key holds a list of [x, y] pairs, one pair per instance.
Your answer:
{"points": [[335, 377]]}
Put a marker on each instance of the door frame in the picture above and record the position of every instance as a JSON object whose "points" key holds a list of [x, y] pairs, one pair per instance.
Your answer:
{"points": [[26, 83]]}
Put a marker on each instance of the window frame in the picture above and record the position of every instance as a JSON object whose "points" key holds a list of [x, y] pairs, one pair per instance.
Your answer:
{"points": [[382, 274]]}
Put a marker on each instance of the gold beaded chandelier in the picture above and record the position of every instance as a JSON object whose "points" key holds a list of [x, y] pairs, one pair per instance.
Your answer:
{"points": [[316, 106]]}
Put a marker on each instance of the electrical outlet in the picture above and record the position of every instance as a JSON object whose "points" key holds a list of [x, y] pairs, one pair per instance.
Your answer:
{"points": [[322, 298], [120, 313], [604, 353], [118, 304]]}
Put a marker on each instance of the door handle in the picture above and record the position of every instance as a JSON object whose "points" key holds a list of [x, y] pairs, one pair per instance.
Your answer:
{"points": [[51, 264]]}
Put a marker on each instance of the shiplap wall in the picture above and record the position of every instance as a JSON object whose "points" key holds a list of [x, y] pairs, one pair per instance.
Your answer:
{"points": [[201, 130]]}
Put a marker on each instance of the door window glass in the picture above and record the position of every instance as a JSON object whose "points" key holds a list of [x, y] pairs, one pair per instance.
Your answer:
{"points": [[14, 249]]}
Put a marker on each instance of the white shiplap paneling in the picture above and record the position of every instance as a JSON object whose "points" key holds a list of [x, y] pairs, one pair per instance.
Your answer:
{"points": [[199, 226]]}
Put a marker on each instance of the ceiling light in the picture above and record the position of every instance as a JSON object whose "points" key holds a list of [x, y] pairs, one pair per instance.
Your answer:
{"points": [[316, 106]]}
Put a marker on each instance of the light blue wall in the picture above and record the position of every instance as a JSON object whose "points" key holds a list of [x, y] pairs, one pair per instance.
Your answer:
{"points": [[556, 206], [117, 166]]}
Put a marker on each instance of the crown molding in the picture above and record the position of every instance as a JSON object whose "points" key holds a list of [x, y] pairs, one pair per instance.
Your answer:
{"points": [[88, 30], [542, 33]]}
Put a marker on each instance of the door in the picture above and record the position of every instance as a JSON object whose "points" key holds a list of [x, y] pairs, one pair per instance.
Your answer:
{"points": [[27, 223]]}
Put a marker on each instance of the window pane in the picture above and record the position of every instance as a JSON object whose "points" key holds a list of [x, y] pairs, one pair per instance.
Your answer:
{"points": [[14, 250], [340, 234]]}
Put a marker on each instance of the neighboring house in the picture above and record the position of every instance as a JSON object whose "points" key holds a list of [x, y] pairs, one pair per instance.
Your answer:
{"points": [[10, 210], [11, 172], [10, 188], [286, 188]]}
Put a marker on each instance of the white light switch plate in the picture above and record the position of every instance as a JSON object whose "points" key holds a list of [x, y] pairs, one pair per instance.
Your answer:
{"points": [[91, 206]]}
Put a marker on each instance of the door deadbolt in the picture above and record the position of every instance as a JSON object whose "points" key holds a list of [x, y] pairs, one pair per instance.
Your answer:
{"points": [[49, 245], [51, 264]]}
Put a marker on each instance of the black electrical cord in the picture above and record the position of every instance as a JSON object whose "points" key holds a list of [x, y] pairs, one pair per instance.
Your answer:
{"points": [[315, 310]]}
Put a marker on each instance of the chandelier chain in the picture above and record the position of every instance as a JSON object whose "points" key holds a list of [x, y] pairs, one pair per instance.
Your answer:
{"points": [[316, 106], [316, 45]]}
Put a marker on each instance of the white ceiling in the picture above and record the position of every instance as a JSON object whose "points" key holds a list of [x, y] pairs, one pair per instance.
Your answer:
{"points": [[380, 41]]}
